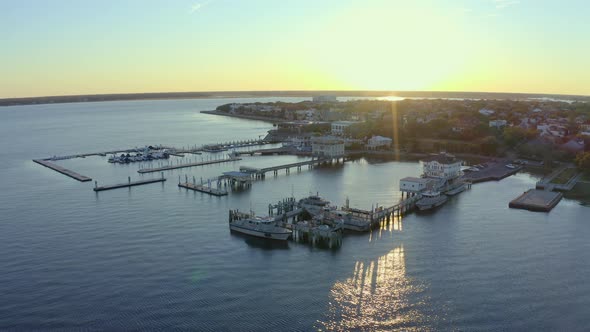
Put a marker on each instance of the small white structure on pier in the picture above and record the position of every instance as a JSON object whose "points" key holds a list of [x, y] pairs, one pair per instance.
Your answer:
{"points": [[327, 146], [415, 185]]}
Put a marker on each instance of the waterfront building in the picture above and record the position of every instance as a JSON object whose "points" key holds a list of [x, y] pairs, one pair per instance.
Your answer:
{"points": [[415, 185], [327, 146], [378, 141], [339, 127], [443, 166]]}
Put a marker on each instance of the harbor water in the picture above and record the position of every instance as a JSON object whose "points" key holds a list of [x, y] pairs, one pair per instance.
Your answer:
{"points": [[162, 257]]}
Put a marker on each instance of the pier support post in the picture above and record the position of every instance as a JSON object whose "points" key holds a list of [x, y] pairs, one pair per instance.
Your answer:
{"points": [[129, 179]]}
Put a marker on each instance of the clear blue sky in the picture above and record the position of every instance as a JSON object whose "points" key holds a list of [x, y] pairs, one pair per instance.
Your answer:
{"points": [[76, 47]]}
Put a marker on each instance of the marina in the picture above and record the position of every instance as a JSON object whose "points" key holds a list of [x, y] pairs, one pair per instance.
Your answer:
{"points": [[128, 184]]}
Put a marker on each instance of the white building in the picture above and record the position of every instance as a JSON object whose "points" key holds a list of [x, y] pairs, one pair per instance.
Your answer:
{"points": [[415, 185], [324, 99], [486, 112], [378, 141], [327, 146], [498, 123], [443, 166], [338, 127]]}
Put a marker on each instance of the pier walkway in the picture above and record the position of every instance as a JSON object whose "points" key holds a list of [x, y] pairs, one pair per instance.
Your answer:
{"points": [[128, 184], [260, 173], [62, 170], [201, 163]]}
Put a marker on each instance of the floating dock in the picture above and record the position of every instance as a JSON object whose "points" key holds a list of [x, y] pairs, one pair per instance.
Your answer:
{"points": [[62, 170], [203, 189], [536, 200], [128, 184], [201, 163]]}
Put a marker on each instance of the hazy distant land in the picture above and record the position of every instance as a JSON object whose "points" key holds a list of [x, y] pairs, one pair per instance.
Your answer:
{"points": [[246, 94]]}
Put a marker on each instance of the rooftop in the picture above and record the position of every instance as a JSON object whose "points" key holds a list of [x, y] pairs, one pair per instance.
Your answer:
{"points": [[442, 158]]}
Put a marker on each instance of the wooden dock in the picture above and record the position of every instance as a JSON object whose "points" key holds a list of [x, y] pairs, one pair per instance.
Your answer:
{"points": [[203, 189], [62, 170], [201, 163], [536, 200], [128, 184]]}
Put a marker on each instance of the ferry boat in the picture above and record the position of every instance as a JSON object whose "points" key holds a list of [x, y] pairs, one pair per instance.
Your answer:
{"points": [[260, 227], [431, 200], [314, 204]]}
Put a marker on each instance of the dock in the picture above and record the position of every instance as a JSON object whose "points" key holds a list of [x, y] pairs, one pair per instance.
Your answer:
{"points": [[62, 170], [536, 200], [201, 163], [128, 184], [203, 189], [260, 173], [495, 171]]}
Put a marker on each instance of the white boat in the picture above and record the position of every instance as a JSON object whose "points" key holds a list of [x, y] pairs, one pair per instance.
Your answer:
{"points": [[510, 166], [260, 227], [314, 204], [430, 200]]}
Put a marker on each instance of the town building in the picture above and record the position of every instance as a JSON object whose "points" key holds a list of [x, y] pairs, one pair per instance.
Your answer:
{"points": [[327, 146], [486, 112], [498, 123], [376, 142], [339, 127]]}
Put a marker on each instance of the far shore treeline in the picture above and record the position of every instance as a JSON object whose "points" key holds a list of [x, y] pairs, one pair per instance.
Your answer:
{"points": [[262, 94]]}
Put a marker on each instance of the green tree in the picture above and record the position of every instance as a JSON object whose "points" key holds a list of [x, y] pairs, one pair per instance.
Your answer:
{"points": [[583, 161]]}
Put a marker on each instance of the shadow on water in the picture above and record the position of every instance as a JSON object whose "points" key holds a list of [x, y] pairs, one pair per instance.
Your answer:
{"points": [[265, 244]]}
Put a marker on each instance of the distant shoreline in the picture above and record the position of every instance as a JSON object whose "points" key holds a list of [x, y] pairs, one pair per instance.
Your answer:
{"points": [[247, 117], [266, 94]]}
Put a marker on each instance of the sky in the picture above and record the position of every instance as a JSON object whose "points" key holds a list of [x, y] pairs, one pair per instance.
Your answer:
{"points": [[69, 47]]}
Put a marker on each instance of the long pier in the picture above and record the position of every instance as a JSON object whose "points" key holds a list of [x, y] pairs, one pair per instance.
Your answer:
{"points": [[201, 163], [128, 184], [62, 170], [260, 173]]}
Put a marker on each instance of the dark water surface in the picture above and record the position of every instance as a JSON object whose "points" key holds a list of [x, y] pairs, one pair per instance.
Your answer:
{"points": [[158, 257]]}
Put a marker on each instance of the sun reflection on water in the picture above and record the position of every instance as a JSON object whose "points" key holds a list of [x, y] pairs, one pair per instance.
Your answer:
{"points": [[378, 296]]}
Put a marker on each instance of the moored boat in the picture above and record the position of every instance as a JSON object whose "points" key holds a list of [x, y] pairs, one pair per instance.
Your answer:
{"points": [[260, 227], [431, 200]]}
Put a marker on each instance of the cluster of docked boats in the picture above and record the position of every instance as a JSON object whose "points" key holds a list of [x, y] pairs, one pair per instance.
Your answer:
{"points": [[324, 216], [147, 154]]}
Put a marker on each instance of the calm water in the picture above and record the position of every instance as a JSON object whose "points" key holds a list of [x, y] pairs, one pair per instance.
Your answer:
{"points": [[157, 257]]}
